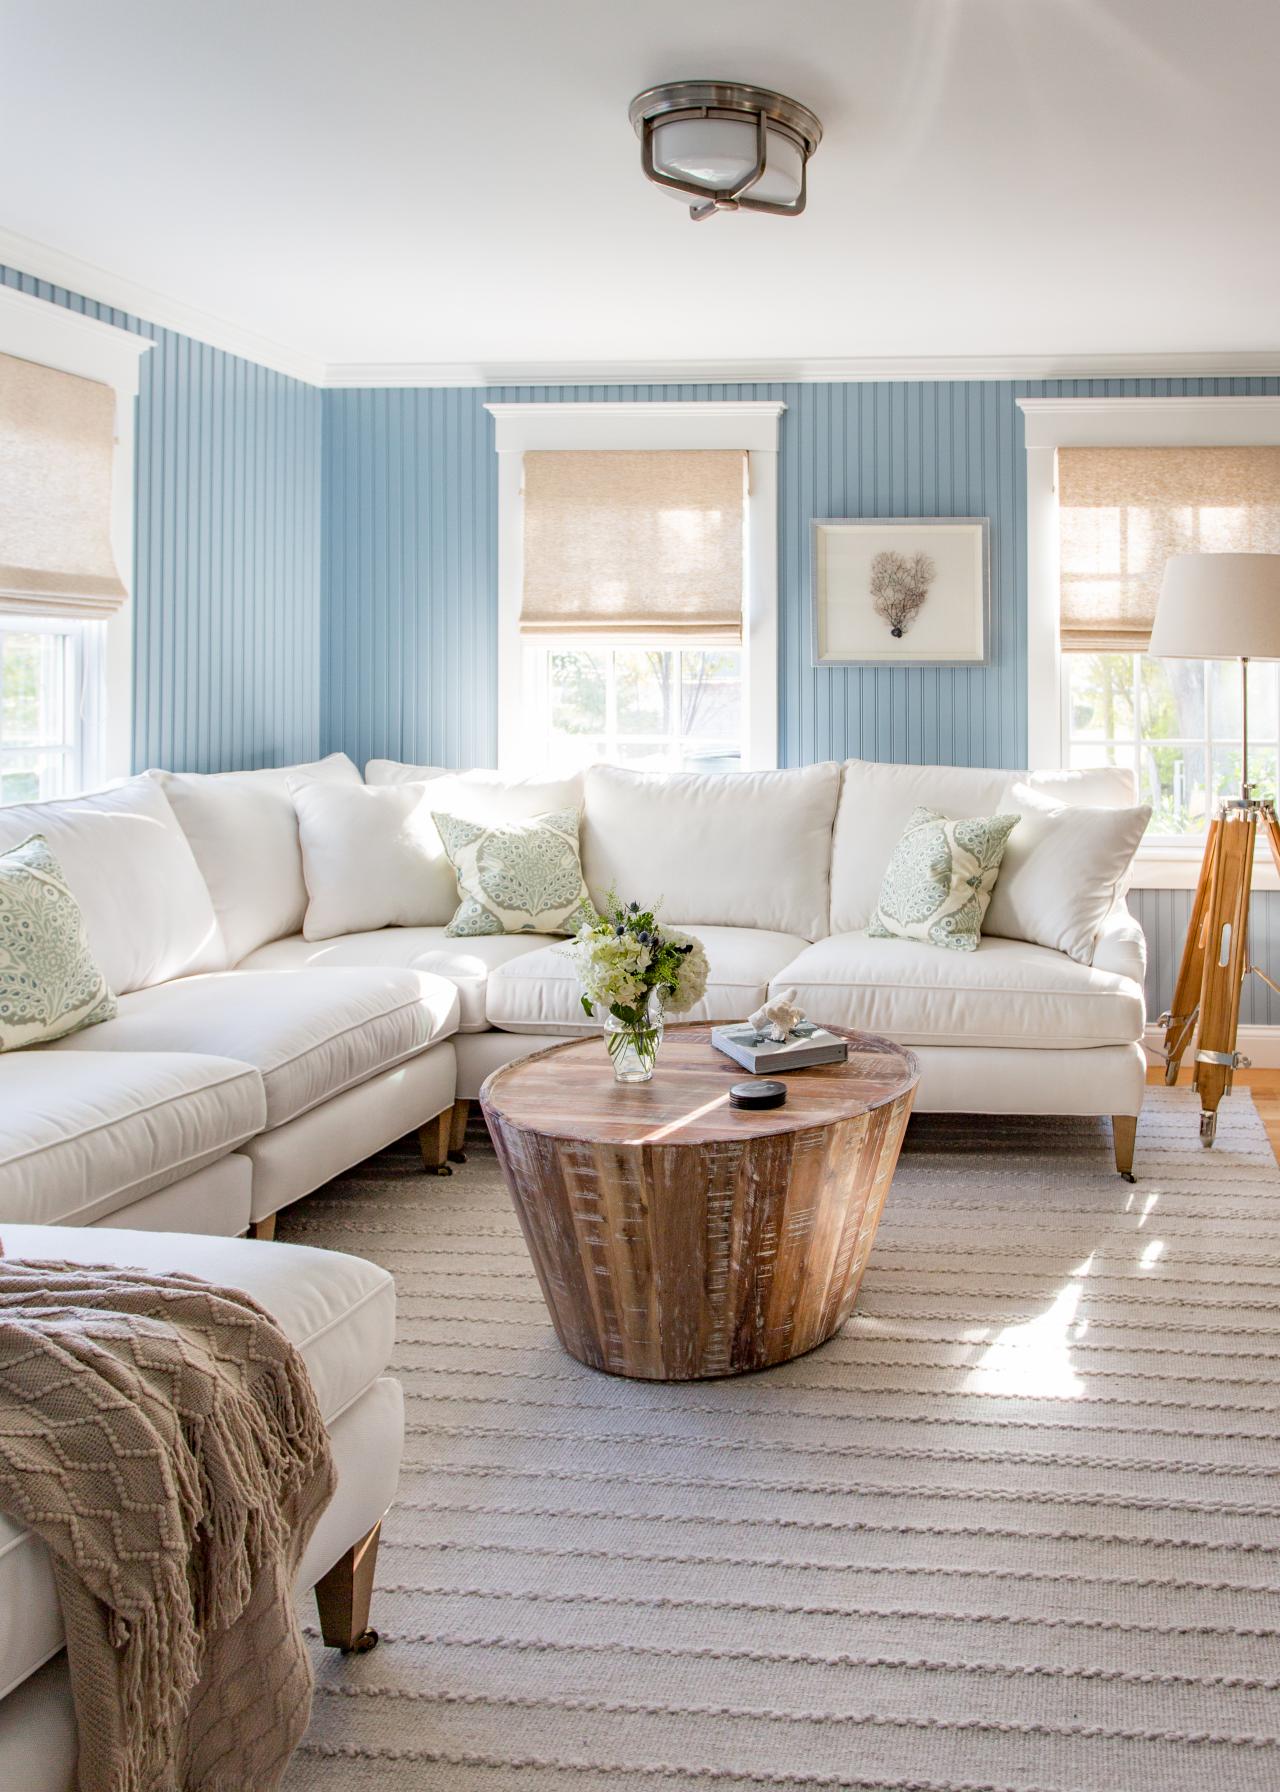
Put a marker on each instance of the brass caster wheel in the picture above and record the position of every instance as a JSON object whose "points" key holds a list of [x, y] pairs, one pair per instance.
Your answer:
{"points": [[1208, 1127], [1127, 1176], [457, 1157], [368, 1639], [444, 1169]]}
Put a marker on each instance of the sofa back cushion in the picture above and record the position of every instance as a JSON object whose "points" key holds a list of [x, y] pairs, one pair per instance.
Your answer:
{"points": [[877, 800], [243, 830], [147, 912], [728, 849]]}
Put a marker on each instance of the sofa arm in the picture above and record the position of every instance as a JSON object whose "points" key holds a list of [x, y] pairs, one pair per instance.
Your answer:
{"points": [[1121, 945]]}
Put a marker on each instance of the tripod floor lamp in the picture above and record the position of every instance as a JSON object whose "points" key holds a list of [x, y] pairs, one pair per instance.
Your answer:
{"points": [[1217, 607]]}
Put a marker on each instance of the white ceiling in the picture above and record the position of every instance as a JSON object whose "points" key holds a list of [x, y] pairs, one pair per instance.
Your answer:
{"points": [[410, 181]]}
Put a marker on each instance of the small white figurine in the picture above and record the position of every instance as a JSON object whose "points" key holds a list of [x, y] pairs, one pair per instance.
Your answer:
{"points": [[777, 1019]]}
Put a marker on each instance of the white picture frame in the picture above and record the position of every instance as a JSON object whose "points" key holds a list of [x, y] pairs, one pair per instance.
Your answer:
{"points": [[949, 626]]}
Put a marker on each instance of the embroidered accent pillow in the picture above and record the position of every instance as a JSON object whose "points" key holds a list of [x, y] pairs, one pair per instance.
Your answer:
{"points": [[516, 876], [940, 880], [50, 984]]}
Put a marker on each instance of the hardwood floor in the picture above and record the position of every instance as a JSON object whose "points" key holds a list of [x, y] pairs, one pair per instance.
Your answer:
{"points": [[1265, 1087]]}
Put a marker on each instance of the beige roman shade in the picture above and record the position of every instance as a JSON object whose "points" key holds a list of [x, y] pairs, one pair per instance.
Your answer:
{"points": [[638, 543], [1124, 511], [57, 435]]}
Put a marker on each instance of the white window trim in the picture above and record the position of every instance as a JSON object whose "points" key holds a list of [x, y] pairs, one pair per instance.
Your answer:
{"points": [[37, 330], [748, 425], [1053, 423]]}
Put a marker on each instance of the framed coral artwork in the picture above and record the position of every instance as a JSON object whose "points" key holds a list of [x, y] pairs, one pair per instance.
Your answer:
{"points": [[909, 591]]}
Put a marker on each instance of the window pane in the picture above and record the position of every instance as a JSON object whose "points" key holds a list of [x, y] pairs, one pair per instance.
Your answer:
{"points": [[577, 681], [1173, 782], [1100, 695], [1085, 754], [34, 688], [710, 696], [1224, 691], [644, 691], [1172, 699], [1227, 771]]}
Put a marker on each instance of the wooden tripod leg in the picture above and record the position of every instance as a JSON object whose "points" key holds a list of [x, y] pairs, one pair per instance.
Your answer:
{"points": [[458, 1132], [1273, 833], [343, 1595], [1180, 1022], [1226, 959], [433, 1138]]}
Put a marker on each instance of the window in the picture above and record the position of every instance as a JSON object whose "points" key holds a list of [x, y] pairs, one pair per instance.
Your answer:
{"points": [[49, 720], [1176, 723], [1117, 514], [637, 582], [68, 385]]}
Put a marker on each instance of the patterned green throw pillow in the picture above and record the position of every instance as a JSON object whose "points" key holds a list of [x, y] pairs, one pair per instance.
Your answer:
{"points": [[516, 876], [940, 880], [49, 983]]}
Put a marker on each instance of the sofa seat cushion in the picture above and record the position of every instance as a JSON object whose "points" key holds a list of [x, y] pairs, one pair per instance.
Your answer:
{"points": [[540, 992], [466, 963], [1007, 993], [338, 1310], [83, 1136], [310, 1034]]}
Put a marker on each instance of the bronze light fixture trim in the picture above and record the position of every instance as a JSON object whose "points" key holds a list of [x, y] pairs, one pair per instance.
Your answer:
{"points": [[726, 146]]}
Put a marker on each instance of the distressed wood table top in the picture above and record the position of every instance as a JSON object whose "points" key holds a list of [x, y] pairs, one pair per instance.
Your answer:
{"points": [[568, 1092]]}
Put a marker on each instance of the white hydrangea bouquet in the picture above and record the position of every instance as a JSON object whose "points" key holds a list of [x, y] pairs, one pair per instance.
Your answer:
{"points": [[632, 971]]}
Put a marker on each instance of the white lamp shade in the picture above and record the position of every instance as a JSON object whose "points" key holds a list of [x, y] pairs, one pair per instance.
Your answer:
{"points": [[1218, 607], [718, 152]]}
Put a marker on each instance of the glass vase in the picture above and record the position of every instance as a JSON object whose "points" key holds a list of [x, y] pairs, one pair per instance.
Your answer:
{"points": [[633, 1049]]}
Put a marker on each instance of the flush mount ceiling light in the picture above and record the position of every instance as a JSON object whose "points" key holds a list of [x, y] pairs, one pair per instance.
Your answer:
{"points": [[726, 146]]}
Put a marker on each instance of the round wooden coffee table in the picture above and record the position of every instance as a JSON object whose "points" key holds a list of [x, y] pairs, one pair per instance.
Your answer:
{"points": [[676, 1237]]}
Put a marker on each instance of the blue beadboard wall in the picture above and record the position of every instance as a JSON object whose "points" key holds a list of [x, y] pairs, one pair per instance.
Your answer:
{"points": [[227, 554]]}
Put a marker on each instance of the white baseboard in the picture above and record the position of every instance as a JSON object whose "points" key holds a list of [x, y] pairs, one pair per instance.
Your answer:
{"points": [[1261, 1045]]}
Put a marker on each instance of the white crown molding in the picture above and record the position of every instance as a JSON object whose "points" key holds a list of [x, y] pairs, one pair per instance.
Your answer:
{"points": [[1261, 363], [151, 307]]}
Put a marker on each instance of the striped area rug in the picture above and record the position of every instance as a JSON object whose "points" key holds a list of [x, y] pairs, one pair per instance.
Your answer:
{"points": [[1014, 1530]]}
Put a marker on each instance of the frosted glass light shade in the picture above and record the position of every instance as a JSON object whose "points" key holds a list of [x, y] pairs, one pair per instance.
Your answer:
{"points": [[719, 152], [1218, 607]]}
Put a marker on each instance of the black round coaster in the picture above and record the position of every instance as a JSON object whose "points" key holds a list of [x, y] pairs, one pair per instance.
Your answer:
{"points": [[757, 1095]]}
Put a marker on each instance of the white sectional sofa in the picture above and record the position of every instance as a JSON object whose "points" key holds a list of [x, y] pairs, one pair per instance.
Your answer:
{"points": [[248, 1064]]}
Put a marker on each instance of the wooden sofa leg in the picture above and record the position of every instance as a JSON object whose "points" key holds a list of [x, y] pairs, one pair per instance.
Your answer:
{"points": [[434, 1140], [263, 1228], [458, 1132], [1124, 1133], [343, 1595]]}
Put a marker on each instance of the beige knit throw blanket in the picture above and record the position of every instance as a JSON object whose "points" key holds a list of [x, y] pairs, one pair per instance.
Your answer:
{"points": [[162, 1437]]}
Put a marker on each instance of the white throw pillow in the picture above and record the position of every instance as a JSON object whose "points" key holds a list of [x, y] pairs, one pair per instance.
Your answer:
{"points": [[243, 830], [371, 858], [1062, 871], [147, 911], [731, 849]]}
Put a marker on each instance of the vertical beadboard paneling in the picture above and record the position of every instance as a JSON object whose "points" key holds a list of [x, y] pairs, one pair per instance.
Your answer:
{"points": [[226, 606]]}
